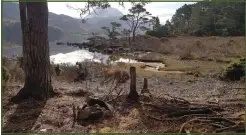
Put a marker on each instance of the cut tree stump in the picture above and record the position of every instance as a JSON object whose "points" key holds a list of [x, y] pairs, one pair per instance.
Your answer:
{"points": [[145, 86], [133, 95]]}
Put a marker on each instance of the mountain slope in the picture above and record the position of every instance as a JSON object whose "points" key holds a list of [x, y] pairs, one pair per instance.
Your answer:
{"points": [[61, 27], [12, 32], [104, 13]]}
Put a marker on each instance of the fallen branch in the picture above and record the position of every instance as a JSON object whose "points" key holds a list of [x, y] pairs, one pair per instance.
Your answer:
{"points": [[222, 119], [186, 112], [191, 115], [117, 96], [217, 125], [178, 99], [228, 128], [167, 108], [195, 119], [158, 119]]}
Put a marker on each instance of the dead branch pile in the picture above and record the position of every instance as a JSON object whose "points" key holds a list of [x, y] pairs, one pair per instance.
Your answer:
{"points": [[190, 115]]}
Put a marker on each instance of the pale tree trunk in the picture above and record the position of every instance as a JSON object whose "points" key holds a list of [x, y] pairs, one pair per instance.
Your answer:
{"points": [[34, 25]]}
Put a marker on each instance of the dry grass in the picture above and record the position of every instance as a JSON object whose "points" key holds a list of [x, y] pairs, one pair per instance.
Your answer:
{"points": [[15, 71], [184, 54], [207, 48]]}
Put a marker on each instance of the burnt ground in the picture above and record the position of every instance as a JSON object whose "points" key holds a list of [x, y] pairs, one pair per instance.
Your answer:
{"points": [[56, 114]]}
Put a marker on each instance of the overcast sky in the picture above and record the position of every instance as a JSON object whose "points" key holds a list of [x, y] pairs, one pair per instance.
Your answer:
{"points": [[164, 10]]}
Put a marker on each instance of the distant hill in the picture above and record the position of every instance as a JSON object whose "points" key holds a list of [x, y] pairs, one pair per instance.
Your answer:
{"points": [[61, 27], [104, 13], [12, 31]]}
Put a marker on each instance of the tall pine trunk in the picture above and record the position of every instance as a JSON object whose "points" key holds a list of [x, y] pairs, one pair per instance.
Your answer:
{"points": [[34, 25]]}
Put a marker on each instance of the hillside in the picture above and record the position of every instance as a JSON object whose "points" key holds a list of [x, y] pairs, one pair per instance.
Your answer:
{"points": [[61, 27], [12, 32]]}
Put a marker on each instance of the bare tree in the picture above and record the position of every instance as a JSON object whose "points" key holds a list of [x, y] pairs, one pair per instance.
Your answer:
{"points": [[113, 32], [34, 25], [136, 19], [91, 6], [127, 33]]}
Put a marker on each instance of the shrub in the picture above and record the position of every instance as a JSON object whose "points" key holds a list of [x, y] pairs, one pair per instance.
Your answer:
{"points": [[212, 38], [6, 76], [5, 60], [165, 49], [149, 32], [164, 40], [235, 71], [20, 61], [197, 32], [186, 54], [58, 70], [198, 43]]}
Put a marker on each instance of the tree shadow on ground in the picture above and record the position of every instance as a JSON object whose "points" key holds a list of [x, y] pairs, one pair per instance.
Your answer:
{"points": [[24, 117]]}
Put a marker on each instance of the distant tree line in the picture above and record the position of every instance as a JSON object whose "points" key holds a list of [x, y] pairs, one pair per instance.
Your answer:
{"points": [[204, 19]]}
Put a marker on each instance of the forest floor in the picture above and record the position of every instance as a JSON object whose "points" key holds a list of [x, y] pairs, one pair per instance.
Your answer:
{"points": [[183, 83]]}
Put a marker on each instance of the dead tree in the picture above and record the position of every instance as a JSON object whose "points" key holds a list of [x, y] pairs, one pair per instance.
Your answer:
{"points": [[133, 95]]}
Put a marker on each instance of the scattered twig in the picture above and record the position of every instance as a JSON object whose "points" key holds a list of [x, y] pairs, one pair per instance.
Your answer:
{"points": [[222, 119], [177, 98], [191, 115], [166, 108], [217, 125], [186, 112], [117, 96], [111, 89], [195, 119], [227, 128], [239, 88]]}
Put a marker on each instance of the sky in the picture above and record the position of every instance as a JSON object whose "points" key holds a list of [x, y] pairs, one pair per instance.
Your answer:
{"points": [[164, 10]]}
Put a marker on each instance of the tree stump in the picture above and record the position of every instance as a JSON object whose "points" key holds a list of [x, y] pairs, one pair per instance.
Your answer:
{"points": [[145, 94], [133, 95], [145, 86]]}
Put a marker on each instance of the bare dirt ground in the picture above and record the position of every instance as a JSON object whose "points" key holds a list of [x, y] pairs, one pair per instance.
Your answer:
{"points": [[56, 114], [197, 87]]}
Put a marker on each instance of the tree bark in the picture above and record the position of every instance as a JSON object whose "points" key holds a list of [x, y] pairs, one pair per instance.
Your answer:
{"points": [[34, 25]]}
